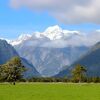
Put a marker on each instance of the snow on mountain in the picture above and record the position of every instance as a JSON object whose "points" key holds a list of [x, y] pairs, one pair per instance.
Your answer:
{"points": [[20, 39], [51, 33], [55, 36], [55, 33], [5, 39]]}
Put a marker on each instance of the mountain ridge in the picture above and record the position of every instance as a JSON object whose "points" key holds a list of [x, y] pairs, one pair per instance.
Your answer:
{"points": [[7, 52], [91, 61], [51, 33]]}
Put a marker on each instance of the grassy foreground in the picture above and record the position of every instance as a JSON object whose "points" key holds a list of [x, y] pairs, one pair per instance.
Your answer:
{"points": [[46, 91]]}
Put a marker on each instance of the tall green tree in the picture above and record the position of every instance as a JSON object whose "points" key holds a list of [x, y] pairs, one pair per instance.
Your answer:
{"points": [[78, 73], [12, 71]]}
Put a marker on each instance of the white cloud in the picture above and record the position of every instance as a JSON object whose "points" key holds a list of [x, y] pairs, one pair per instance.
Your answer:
{"points": [[66, 11], [93, 37]]}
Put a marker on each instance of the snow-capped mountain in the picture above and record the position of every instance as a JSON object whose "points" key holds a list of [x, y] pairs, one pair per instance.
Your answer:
{"points": [[55, 33], [50, 50], [52, 33], [5, 39], [20, 39]]}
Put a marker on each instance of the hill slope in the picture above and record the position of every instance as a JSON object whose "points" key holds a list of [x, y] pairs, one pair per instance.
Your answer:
{"points": [[91, 60], [7, 52]]}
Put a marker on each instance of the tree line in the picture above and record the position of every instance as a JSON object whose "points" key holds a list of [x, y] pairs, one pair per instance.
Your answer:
{"points": [[13, 71]]}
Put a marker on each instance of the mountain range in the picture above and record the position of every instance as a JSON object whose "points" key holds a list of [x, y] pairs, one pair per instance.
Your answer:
{"points": [[50, 50], [54, 51]]}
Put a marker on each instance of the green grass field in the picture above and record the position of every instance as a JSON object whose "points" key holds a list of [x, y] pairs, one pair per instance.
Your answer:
{"points": [[46, 91]]}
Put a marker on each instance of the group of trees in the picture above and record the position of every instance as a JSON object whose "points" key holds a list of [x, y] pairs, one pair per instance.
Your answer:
{"points": [[48, 79], [78, 75], [13, 70], [65, 80]]}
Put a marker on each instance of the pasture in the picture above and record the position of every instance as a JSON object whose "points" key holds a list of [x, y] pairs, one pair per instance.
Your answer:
{"points": [[49, 91]]}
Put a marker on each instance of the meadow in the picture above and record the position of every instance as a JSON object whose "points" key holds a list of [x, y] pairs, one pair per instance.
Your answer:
{"points": [[49, 91]]}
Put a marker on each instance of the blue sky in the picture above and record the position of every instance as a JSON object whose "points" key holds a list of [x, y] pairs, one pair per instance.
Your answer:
{"points": [[14, 22]]}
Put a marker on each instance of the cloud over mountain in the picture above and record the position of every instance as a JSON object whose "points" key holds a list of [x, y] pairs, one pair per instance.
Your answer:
{"points": [[66, 11], [53, 36], [56, 37]]}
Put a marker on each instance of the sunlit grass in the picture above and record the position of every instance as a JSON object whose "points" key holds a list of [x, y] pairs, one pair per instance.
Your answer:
{"points": [[47, 91]]}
